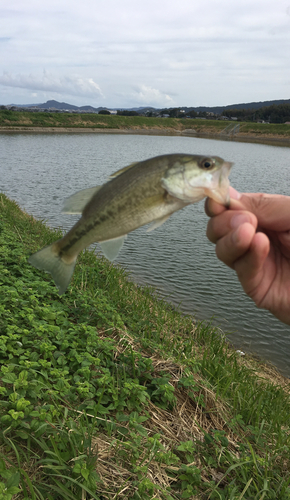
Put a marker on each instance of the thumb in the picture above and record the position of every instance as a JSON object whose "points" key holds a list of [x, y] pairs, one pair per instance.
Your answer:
{"points": [[271, 210]]}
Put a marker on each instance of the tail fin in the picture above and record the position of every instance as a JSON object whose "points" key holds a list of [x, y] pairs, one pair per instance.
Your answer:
{"points": [[48, 260]]}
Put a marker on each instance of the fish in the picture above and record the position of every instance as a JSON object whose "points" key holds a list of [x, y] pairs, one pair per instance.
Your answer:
{"points": [[144, 192]]}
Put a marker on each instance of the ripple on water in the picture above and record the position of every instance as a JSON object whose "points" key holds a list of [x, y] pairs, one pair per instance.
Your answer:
{"points": [[39, 171]]}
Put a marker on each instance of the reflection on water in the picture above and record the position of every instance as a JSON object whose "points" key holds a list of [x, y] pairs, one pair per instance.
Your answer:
{"points": [[39, 171]]}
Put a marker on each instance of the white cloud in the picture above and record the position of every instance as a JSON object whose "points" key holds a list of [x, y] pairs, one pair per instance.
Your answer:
{"points": [[71, 85], [200, 53], [152, 97]]}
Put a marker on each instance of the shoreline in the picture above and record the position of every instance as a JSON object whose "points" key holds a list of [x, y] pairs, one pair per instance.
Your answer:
{"points": [[268, 139]]}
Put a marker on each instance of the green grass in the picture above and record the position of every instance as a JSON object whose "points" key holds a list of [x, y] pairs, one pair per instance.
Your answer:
{"points": [[26, 119], [279, 129], [43, 119], [109, 393]]}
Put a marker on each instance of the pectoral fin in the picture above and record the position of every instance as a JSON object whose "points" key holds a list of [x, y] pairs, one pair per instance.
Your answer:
{"points": [[111, 248], [158, 223], [76, 203]]}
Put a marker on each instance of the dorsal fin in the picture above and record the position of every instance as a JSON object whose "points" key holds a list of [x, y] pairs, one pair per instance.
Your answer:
{"points": [[76, 203], [119, 172]]}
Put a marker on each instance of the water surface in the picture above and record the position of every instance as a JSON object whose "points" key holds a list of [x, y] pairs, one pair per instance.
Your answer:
{"points": [[39, 171]]}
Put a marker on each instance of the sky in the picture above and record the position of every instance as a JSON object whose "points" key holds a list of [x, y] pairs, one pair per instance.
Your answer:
{"points": [[160, 53]]}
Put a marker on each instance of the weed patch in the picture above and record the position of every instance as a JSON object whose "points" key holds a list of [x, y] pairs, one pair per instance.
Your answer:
{"points": [[109, 393]]}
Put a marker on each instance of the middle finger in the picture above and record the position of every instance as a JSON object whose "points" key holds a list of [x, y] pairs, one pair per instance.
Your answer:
{"points": [[224, 223]]}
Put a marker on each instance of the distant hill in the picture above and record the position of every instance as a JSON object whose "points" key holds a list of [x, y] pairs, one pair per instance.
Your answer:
{"points": [[65, 105], [142, 110], [249, 105]]}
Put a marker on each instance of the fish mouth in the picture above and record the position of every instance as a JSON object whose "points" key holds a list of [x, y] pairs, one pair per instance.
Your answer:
{"points": [[219, 186]]}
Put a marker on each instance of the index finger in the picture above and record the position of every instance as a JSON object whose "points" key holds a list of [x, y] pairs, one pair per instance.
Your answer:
{"points": [[212, 208]]}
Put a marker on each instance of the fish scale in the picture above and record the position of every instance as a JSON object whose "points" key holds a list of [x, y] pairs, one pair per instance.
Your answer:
{"points": [[141, 193]]}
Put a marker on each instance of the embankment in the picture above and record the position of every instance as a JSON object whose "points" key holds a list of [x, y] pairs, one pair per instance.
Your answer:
{"points": [[107, 392], [20, 122]]}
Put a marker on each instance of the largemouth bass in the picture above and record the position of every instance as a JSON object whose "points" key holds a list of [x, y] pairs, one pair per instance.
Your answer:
{"points": [[144, 192]]}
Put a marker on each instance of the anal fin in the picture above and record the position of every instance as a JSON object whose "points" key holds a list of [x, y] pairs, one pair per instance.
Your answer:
{"points": [[111, 248]]}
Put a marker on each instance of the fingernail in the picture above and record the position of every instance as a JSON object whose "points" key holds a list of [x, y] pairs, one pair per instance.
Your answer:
{"points": [[239, 219], [235, 237], [234, 193]]}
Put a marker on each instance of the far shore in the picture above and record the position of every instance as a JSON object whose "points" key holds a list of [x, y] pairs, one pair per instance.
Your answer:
{"points": [[271, 139]]}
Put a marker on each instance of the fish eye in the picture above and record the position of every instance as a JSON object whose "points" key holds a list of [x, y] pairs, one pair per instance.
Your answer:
{"points": [[207, 163]]}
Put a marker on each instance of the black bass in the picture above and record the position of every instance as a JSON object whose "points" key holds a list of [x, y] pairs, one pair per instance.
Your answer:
{"points": [[144, 192]]}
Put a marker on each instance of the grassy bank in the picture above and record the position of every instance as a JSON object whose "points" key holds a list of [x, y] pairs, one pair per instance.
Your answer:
{"points": [[12, 120], [109, 393]]}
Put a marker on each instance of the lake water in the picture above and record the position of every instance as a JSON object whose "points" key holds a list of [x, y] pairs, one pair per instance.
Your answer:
{"points": [[40, 170]]}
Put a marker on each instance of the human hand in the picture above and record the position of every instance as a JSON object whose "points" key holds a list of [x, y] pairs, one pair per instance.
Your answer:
{"points": [[253, 238]]}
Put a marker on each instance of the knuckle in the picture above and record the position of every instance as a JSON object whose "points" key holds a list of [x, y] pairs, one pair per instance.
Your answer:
{"points": [[260, 202]]}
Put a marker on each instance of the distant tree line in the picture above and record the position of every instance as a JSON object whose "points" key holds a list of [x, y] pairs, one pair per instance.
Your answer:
{"points": [[178, 113], [126, 112], [104, 112], [273, 114], [120, 112], [276, 113]]}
